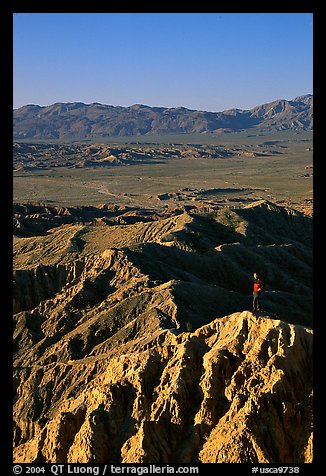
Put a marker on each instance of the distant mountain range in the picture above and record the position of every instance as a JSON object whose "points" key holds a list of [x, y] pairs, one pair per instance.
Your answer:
{"points": [[77, 120]]}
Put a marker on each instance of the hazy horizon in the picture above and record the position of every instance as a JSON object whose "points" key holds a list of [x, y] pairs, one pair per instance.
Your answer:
{"points": [[150, 105]]}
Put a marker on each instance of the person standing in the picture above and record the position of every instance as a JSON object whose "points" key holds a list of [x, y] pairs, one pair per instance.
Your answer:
{"points": [[258, 288]]}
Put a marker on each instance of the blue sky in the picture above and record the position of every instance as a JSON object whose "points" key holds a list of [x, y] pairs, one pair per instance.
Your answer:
{"points": [[204, 61]]}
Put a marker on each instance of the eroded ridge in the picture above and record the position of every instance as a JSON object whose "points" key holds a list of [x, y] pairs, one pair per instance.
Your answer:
{"points": [[134, 342]]}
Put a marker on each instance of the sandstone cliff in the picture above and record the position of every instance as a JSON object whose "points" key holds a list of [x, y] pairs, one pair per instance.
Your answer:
{"points": [[133, 342]]}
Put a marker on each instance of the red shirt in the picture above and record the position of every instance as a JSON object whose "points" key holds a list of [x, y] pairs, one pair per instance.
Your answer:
{"points": [[257, 287]]}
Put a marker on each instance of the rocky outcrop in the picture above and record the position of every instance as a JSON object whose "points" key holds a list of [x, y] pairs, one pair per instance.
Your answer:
{"points": [[134, 343], [236, 390]]}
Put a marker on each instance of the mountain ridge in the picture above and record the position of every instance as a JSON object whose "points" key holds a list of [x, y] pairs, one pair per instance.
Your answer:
{"points": [[134, 341], [80, 120]]}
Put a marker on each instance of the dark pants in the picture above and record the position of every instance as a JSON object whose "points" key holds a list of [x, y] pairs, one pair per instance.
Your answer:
{"points": [[255, 302]]}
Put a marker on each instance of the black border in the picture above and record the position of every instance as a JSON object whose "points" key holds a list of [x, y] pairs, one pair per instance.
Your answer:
{"points": [[6, 32]]}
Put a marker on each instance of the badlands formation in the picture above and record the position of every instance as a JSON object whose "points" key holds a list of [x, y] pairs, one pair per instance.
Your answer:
{"points": [[135, 342]]}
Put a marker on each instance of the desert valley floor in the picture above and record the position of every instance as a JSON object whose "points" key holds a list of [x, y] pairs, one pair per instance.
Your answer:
{"points": [[134, 338]]}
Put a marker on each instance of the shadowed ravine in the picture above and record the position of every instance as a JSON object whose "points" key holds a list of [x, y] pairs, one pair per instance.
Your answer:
{"points": [[135, 342]]}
